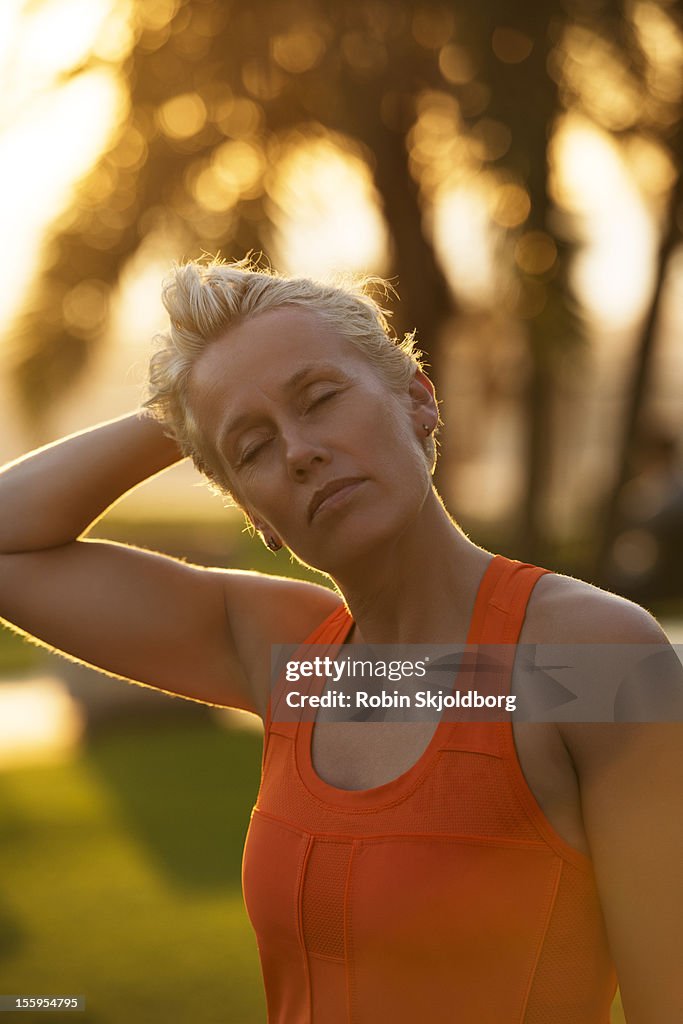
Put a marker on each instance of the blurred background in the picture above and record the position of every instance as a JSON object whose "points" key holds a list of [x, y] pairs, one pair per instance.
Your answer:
{"points": [[515, 170]]}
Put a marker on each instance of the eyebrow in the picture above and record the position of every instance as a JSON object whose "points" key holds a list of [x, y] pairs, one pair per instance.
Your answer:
{"points": [[291, 384]]}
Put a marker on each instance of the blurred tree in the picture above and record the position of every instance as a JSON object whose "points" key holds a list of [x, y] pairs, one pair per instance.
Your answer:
{"points": [[619, 64], [214, 88], [422, 91], [662, 120], [517, 44]]}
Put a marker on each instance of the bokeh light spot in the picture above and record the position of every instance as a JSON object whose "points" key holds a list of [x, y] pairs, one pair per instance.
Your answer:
{"points": [[662, 39], [456, 64], [433, 26], [116, 37], [595, 72], [491, 139], [511, 46], [238, 118], [130, 151], [635, 551], [363, 53], [154, 15], [325, 210], [182, 116], [613, 270], [650, 164], [262, 80], [298, 50], [85, 306], [474, 98], [535, 252], [511, 205], [235, 171], [463, 239], [71, 123]]}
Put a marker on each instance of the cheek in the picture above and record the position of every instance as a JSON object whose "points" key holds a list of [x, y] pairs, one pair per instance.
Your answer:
{"points": [[411, 457], [399, 441], [402, 463]]}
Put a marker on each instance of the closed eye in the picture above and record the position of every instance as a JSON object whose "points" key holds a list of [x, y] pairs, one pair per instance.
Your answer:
{"points": [[250, 453], [320, 399]]}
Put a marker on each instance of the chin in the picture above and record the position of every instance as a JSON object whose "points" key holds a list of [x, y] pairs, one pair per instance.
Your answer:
{"points": [[358, 545]]}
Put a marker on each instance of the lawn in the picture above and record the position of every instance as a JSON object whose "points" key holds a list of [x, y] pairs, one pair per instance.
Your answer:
{"points": [[120, 878]]}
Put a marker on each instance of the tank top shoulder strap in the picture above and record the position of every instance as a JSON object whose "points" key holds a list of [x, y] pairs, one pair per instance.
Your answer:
{"points": [[497, 619], [331, 630], [502, 601]]}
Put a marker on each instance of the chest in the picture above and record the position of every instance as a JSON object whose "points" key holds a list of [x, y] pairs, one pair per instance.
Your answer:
{"points": [[353, 757]]}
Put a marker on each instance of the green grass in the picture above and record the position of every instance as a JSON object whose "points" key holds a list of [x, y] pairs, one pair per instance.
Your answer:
{"points": [[120, 878]]}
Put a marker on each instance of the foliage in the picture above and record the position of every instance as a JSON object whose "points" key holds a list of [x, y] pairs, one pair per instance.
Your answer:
{"points": [[428, 96]]}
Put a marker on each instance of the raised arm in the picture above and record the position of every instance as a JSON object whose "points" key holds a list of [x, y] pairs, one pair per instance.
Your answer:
{"points": [[53, 495], [200, 633]]}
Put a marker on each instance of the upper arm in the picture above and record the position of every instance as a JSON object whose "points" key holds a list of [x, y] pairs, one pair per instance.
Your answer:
{"points": [[197, 632], [631, 785], [630, 778]]}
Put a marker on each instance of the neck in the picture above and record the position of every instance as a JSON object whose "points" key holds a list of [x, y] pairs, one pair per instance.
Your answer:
{"points": [[419, 588]]}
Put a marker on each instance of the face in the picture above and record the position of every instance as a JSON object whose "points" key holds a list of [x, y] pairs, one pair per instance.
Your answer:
{"points": [[316, 447]]}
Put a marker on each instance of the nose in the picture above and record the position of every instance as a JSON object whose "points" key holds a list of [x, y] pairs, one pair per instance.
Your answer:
{"points": [[303, 452]]}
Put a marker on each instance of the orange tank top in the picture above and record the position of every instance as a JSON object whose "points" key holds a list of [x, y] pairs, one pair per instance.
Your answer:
{"points": [[444, 895]]}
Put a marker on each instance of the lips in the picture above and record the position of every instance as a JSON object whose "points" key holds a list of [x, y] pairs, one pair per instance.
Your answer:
{"points": [[330, 489]]}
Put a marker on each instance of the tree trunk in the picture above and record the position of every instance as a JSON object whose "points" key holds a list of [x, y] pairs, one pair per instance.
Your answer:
{"points": [[637, 391]]}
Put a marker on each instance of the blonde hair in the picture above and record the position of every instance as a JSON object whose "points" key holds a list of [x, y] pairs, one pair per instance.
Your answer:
{"points": [[206, 299]]}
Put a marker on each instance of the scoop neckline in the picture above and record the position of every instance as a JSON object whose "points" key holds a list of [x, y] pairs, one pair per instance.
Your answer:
{"points": [[397, 788]]}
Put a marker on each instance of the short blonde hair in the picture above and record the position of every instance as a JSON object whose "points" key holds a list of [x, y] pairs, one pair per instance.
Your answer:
{"points": [[206, 299]]}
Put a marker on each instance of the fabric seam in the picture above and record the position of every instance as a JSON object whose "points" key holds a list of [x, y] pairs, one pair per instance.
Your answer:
{"points": [[300, 923], [541, 941], [452, 837], [348, 952]]}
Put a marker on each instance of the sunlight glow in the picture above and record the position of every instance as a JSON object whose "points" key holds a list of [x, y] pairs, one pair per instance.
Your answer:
{"points": [[10, 13], [592, 69], [58, 36], [53, 128], [114, 386], [613, 272], [464, 241], [234, 171], [64, 99], [182, 116], [326, 213], [42, 157], [39, 722], [662, 40]]}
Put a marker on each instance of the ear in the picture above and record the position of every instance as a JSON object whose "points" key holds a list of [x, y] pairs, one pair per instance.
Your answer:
{"points": [[424, 407], [268, 535]]}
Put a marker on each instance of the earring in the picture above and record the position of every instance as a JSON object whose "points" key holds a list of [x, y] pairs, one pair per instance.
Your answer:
{"points": [[272, 544], [427, 429]]}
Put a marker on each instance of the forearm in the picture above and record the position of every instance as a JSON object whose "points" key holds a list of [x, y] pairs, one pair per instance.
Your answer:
{"points": [[51, 496]]}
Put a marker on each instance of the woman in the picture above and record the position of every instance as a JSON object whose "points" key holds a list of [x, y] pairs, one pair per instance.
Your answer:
{"points": [[479, 872]]}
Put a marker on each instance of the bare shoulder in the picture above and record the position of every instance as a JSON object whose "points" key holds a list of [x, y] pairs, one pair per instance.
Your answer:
{"points": [[563, 609], [284, 610], [263, 610]]}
